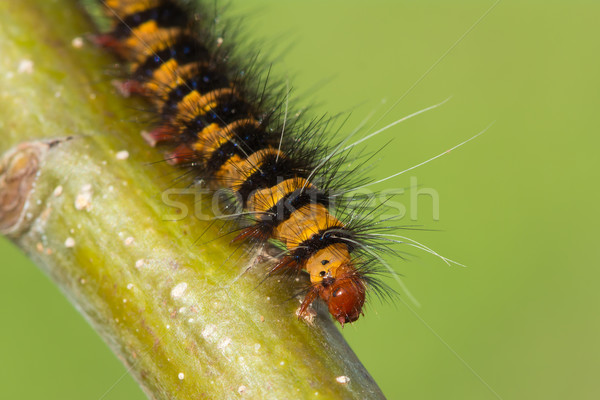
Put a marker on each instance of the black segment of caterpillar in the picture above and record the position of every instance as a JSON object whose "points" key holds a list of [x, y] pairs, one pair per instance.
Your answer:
{"points": [[215, 124]]}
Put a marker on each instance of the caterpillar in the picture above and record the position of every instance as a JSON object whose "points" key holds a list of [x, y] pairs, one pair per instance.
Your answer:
{"points": [[221, 126]]}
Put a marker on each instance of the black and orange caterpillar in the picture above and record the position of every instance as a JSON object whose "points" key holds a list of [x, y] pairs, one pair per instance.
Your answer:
{"points": [[233, 138]]}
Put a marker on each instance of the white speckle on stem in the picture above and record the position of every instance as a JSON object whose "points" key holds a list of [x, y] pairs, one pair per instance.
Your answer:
{"points": [[130, 286], [25, 67], [122, 155], [77, 42], [83, 201], [208, 331], [257, 347], [224, 343], [128, 241], [242, 389], [139, 263], [343, 379], [181, 376], [179, 290], [57, 191], [70, 243]]}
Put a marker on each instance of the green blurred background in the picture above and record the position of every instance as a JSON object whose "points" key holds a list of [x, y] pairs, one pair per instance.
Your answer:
{"points": [[518, 205]]}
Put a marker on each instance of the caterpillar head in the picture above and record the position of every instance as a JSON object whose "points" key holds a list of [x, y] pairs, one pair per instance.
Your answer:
{"points": [[336, 281]]}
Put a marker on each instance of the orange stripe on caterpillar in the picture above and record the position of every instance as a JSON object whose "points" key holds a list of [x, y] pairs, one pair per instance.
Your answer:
{"points": [[304, 223], [196, 104], [237, 169], [264, 199], [213, 136], [167, 78], [123, 8], [147, 40]]}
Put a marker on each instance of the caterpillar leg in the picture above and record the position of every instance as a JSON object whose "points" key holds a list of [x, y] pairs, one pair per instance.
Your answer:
{"points": [[254, 233], [128, 87], [181, 155], [106, 40], [159, 135], [311, 296]]}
